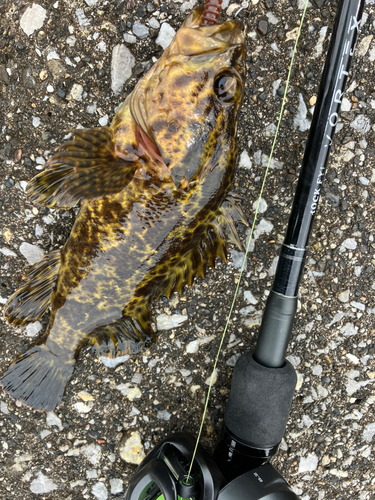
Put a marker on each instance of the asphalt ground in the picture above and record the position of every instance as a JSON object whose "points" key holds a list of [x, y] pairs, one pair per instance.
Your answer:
{"points": [[328, 449]]}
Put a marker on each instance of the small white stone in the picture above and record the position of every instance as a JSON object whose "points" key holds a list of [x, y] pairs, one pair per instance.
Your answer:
{"points": [[300, 120], [100, 491], [212, 379], [33, 18], [101, 47], [369, 432], [245, 161], [364, 45], [76, 93], [50, 88], [308, 464], [116, 486], [82, 408], [33, 329], [112, 363], [346, 105], [344, 296], [166, 35], [166, 322], [91, 3], [140, 30], [238, 259], [262, 205], [32, 253], [81, 17], [131, 450], [103, 121], [163, 415], [128, 38], [53, 420], [42, 484], [93, 453], [121, 67], [4, 408], [249, 297], [36, 121], [154, 23], [361, 123], [7, 252], [349, 243]]}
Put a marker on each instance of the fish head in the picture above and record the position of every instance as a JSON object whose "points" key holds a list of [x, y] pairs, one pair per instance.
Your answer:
{"points": [[187, 106]]}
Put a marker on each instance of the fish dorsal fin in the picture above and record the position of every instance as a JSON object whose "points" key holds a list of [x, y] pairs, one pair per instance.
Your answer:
{"points": [[86, 167]]}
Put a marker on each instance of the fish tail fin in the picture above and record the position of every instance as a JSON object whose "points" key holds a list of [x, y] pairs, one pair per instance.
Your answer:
{"points": [[37, 378], [32, 300], [84, 168], [129, 335]]}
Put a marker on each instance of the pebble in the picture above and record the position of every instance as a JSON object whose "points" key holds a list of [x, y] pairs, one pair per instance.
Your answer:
{"points": [[131, 450], [363, 46], [103, 121], [212, 379], [76, 93], [369, 432], [233, 360], [32, 253], [42, 484], [245, 161], [7, 252], [4, 408], [154, 23], [36, 121], [128, 38], [131, 393], [122, 64], [308, 464], [82, 408], [167, 322], [53, 420], [112, 363], [263, 27], [116, 486], [33, 19], [81, 17], [163, 415], [262, 205], [140, 30], [249, 297], [193, 346], [85, 396], [349, 244], [100, 491], [362, 124], [238, 259], [93, 453], [300, 120], [166, 35]]}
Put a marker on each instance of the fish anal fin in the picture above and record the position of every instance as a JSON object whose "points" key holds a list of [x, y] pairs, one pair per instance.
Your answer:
{"points": [[129, 335], [31, 301], [37, 378], [86, 167]]}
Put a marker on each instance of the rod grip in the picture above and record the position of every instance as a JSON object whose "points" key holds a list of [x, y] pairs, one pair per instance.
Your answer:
{"points": [[259, 402]]}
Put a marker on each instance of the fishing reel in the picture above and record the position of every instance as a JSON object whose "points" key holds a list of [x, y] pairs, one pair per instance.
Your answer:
{"points": [[164, 475]]}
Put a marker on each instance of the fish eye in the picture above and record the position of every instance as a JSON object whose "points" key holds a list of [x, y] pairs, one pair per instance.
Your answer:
{"points": [[227, 87]]}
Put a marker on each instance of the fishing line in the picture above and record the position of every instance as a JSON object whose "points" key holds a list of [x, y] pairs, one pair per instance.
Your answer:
{"points": [[249, 240]]}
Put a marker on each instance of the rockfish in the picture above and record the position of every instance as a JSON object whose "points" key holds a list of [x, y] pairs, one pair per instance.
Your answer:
{"points": [[155, 210]]}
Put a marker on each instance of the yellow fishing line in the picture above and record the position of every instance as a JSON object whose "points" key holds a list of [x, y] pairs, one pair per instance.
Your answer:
{"points": [[249, 240]]}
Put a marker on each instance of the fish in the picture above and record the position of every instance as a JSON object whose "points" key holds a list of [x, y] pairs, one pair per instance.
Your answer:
{"points": [[155, 210]]}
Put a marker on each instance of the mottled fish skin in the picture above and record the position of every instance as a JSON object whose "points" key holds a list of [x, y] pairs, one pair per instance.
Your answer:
{"points": [[159, 222]]}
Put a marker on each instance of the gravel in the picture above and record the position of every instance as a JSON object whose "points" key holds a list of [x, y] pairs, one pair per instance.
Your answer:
{"points": [[65, 65]]}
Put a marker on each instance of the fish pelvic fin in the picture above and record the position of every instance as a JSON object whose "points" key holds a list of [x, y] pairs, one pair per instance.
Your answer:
{"points": [[128, 335], [31, 301], [37, 378], [83, 168]]}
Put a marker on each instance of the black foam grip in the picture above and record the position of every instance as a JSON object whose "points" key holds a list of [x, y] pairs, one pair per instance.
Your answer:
{"points": [[259, 402]]}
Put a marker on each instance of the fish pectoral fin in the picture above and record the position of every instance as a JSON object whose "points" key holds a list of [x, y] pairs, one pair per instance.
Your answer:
{"points": [[38, 378], [84, 168], [128, 335], [32, 300], [229, 213]]}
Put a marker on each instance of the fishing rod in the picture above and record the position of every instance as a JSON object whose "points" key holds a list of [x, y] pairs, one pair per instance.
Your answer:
{"points": [[263, 381]]}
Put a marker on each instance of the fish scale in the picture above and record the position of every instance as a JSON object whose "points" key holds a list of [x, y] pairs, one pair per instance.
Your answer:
{"points": [[155, 210]]}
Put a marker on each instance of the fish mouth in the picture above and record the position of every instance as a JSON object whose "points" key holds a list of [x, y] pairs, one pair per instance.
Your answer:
{"points": [[214, 38]]}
